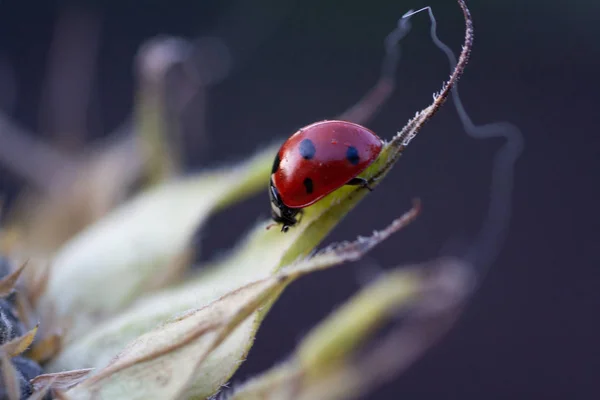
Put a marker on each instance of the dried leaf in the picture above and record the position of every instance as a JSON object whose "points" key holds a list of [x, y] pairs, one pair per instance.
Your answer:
{"points": [[19, 344], [61, 380], [7, 283], [41, 392]]}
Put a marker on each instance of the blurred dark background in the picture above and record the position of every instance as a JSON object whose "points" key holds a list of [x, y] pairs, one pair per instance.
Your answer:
{"points": [[530, 331]]}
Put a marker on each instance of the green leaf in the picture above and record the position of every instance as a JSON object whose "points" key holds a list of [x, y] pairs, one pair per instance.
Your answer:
{"points": [[351, 324], [332, 361], [126, 250], [195, 353]]}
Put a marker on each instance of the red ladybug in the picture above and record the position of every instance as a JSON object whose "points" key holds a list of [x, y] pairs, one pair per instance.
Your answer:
{"points": [[317, 160]]}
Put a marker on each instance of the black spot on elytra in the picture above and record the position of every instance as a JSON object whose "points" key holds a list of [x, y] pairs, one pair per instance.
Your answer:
{"points": [[307, 149], [308, 184], [276, 164], [352, 155]]}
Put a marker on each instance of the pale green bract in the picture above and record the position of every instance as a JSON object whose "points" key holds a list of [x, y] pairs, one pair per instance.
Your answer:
{"points": [[134, 243]]}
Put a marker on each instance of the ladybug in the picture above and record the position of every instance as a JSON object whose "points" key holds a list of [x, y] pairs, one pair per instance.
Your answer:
{"points": [[315, 161]]}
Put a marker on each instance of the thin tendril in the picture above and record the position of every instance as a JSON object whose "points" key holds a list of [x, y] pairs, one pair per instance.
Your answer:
{"points": [[493, 233], [368, 106]]}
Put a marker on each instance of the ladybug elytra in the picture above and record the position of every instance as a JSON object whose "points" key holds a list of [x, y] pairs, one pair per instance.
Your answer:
{"points": [[315, 161]]}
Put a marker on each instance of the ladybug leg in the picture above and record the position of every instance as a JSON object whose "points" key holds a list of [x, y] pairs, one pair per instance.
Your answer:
{"points": [[360, 182]]}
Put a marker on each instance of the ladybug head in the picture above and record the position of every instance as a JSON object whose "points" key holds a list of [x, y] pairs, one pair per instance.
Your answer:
{"points": [[279, 211]]}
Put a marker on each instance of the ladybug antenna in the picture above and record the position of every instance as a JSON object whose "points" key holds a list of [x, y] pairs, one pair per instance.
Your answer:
{"points": [[485, 248]]}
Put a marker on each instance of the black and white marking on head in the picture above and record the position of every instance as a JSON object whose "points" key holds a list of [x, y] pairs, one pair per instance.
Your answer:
{"points": [[352, 155], [307, 149], [275, 200], [276, 211], [308, 184], [276, 164]]}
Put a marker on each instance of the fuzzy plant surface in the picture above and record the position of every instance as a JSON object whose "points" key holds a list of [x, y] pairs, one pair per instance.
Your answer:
{"points": [[101, 292]]}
